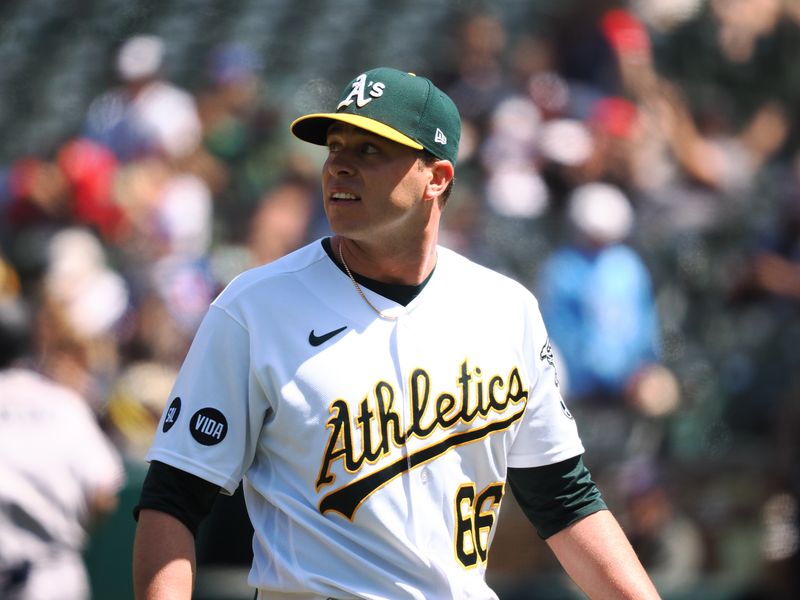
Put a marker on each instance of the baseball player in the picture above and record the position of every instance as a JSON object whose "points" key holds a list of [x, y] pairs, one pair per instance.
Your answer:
{"points": [[59, 473], [373, 392]]}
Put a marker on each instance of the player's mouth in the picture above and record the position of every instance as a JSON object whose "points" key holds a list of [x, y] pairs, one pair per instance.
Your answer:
{"points": [[343, 197]]}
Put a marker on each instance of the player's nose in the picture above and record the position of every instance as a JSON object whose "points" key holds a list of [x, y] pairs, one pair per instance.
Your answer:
{"points": [[339, 165]]}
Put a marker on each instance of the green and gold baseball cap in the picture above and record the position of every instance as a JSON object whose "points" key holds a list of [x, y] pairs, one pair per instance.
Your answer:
{"points": [[399, 106]]}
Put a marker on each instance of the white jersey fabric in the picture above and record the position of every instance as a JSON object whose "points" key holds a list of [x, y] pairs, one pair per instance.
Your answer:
{"points": [[373, 452], [54, 460]]}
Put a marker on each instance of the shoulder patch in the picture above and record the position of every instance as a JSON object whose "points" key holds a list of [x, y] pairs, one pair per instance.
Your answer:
{"points": [[565, 410], [546, 354], [172, 414], [208, 426]]}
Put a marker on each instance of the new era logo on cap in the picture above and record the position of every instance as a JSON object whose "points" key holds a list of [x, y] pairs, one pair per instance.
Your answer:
{"points": [[398, 106]]}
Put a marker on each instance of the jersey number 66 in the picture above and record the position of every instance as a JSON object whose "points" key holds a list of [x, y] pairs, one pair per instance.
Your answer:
{"points": [[475, 516]]}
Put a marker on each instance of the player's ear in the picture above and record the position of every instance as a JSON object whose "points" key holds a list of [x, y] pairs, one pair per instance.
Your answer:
{"points": [[442, 173]]}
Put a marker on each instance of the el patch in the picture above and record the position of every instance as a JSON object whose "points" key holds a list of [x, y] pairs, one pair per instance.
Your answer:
{"points": [[171, 416]]}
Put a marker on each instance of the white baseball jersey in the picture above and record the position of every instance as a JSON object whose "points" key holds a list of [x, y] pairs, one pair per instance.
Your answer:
{"points": [[373, 452], [54, 460]]}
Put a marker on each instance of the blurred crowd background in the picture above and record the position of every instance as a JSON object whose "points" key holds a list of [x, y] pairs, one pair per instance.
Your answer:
{"points": [[635, 164]]}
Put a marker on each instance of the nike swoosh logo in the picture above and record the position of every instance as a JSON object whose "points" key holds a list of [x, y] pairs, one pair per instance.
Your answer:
{"points": [[316, 340]]}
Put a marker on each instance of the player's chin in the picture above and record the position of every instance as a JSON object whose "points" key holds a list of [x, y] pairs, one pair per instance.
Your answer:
{"points": [[342, 225], [343, 217]]}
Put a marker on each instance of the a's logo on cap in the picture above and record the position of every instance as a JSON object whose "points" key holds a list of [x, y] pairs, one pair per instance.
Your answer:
{"points": [[208, 426], [439, 137], [358, 92]]}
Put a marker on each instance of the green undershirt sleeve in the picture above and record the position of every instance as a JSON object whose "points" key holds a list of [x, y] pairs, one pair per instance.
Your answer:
{"points": [[555, 496]]}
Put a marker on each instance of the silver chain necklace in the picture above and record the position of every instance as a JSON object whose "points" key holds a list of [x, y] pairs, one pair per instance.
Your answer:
{"points": [[380, 313]]}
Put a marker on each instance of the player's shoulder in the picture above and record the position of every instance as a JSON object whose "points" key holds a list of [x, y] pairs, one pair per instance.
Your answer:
{"points": [[460, 270], [277, 276], [458, 266]]}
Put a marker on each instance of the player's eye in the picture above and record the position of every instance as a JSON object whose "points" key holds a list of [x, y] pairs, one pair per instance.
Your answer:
{"points": [[368, 148], [334, 146]]}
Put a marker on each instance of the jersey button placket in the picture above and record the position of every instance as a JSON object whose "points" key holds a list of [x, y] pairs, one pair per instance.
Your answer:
{"points": [[416, 477], [401, 352]]}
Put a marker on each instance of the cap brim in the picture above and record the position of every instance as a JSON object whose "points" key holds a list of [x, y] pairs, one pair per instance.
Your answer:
{"points": [[314, 128]]}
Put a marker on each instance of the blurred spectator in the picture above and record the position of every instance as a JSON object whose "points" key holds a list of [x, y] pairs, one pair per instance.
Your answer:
{"points": [[585, 57], [90, 169], [566, 149], [766, 285], [479, 63], [614, 123], [781, 511], [720, 85], [166, 253], [38, 193], [282, 222], [241, 131], [731, 60], [510, 139], [774, 269], [532, 55], [75, 189], [58, 475], [233, 95], [551, 94], [9, 280], [146, 113], [90, 295], [508, 155], [516, 192], [154, 332], [597, 300], [780, 516], [136, 402], [82, 302], [667, 541], [170, 210], [662, 16]]}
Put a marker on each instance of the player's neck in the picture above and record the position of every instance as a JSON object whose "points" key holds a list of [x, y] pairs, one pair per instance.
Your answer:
{"points": [[407, 264]]}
